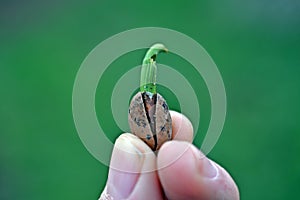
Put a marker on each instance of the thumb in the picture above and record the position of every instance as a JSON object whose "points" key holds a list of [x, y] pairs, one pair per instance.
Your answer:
{"points": [[200, 178], [132, 171]]}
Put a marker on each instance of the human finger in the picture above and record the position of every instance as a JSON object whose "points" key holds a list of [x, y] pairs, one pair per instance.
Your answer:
{"points": [[192, 175], [182, 128], [132, 171]]}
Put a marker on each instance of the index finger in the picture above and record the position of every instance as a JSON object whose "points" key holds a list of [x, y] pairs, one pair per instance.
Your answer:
{"points": [[182, 128]]}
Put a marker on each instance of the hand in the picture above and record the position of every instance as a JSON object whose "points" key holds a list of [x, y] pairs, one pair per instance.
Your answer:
{"points": [[183, 172]]}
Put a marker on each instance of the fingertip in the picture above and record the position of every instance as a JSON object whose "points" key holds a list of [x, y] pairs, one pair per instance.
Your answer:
{"points": [[137, 143], [182, 128], [125, 165], [132, 167]]}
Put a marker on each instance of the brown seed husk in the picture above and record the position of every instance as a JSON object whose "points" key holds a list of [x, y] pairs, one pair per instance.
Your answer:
{"points": [[150, 120]]}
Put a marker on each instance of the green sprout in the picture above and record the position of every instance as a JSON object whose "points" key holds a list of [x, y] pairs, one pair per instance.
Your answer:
{"points": [[148, 72]]}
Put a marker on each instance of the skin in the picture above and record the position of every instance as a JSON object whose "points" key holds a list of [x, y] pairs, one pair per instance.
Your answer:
{"points": [[191, 176]]}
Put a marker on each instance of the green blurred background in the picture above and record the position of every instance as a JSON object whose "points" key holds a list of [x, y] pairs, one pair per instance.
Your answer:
{"points": [[256, 45]]}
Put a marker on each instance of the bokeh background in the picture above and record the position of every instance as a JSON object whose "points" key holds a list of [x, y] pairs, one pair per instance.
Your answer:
{"points": [[256, 45]]}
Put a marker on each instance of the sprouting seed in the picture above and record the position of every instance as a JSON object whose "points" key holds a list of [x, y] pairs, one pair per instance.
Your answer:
{"points": [[149, 116]]}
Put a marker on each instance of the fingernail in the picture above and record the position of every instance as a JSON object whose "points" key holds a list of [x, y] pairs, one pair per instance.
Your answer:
{"points": [[126, 163], [205, 167]]}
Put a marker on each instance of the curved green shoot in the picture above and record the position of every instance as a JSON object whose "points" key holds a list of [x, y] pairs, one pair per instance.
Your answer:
{"points": [[148, 72]]}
